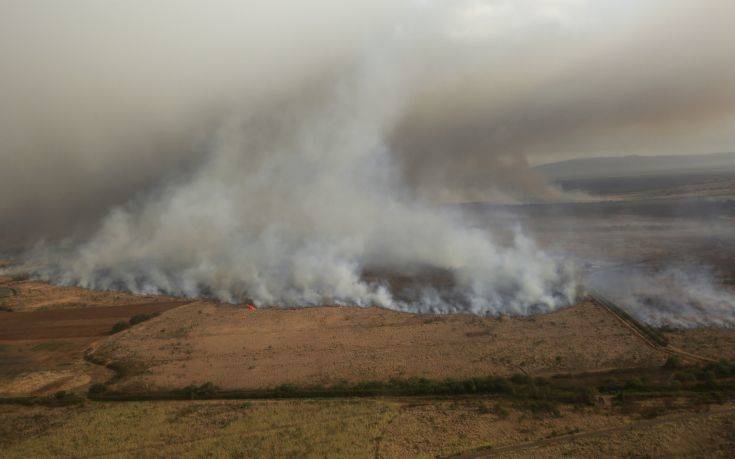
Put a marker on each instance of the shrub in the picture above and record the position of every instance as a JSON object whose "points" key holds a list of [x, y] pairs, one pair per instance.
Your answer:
{"points": [[707, 375], [286, 389], [501, 412], [125, 368], [206, 390], [20, 277], [118, 327], [138, 318], [484, 409], [635, 384], [685, 376], [673, 363], [543, 407], [97, 388], [585, 396], [721, 368], [61, 398]]}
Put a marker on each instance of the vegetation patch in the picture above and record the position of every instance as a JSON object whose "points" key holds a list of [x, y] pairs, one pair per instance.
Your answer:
{"points": [[630, 390], [520, 388], [135, 320], [140, 318], [61, 398], [51, 346]]}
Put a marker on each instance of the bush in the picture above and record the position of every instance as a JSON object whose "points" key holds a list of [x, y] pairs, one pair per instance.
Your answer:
{"points": [[206, 390], [543, 407], [635, 384], [707, 375], [484, 409], [287, 389], [96, 389], [138, 318], [673, 363], [501, 412], [585, 396], [118, 327], [125, 368], [20, 277], [721, 369]]}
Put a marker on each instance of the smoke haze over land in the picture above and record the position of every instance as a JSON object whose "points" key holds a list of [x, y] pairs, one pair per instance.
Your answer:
{"points": [[275, 150], [104, 100]]}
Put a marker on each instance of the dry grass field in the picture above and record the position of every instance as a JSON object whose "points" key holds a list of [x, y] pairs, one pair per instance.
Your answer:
{"points": [[56, 349], [358, 428], [236, 348]]}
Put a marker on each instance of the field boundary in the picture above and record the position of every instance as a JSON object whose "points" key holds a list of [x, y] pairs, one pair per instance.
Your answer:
{"points": [[650, 336]]}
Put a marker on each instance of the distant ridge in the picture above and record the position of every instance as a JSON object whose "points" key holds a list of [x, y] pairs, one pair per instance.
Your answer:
{"points": [[634, 165]]}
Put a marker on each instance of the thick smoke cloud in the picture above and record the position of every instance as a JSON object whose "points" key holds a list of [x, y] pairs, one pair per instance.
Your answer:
{"points": [[102, 100], [276, 151], [295, 203]]}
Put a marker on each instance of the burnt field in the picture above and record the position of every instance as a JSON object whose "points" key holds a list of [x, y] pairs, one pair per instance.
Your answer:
{"points": [[646, 183], [636, 233], [691, 208]]}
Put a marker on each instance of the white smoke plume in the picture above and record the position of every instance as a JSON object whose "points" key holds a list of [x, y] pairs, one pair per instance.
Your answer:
{"points": [[294, 202], [679, 296], [281, 151]]}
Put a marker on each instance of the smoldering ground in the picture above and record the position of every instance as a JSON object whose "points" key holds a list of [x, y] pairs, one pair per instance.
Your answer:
{"points": [[315, 139], [676, 296]]}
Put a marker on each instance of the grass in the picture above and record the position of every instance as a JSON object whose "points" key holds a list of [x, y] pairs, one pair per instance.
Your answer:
{"points": [[61, 398], [51, 346], [538, 394], [518, 387], [195, 429], [457, 415]]}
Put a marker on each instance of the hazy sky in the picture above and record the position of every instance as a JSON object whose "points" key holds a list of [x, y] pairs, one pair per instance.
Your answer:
{"points": [[104, 99]]}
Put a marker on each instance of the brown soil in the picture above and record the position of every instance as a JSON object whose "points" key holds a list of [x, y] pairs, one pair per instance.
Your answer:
{"points": [[236, 348], [71, 323], [43, 339]]}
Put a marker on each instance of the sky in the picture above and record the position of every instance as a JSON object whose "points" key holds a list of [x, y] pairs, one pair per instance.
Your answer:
{"points": [[105, 101]]}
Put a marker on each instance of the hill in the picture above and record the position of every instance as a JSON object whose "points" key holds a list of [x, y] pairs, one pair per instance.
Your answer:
{"points": [[631, 166]]}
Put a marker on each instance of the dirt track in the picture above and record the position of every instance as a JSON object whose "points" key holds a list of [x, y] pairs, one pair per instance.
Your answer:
{"points": [[640, 331]]}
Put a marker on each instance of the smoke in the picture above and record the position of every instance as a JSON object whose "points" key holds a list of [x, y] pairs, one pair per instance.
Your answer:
{"points": [[295, 201], [104, 101], [277, 151], [681, 296]]}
